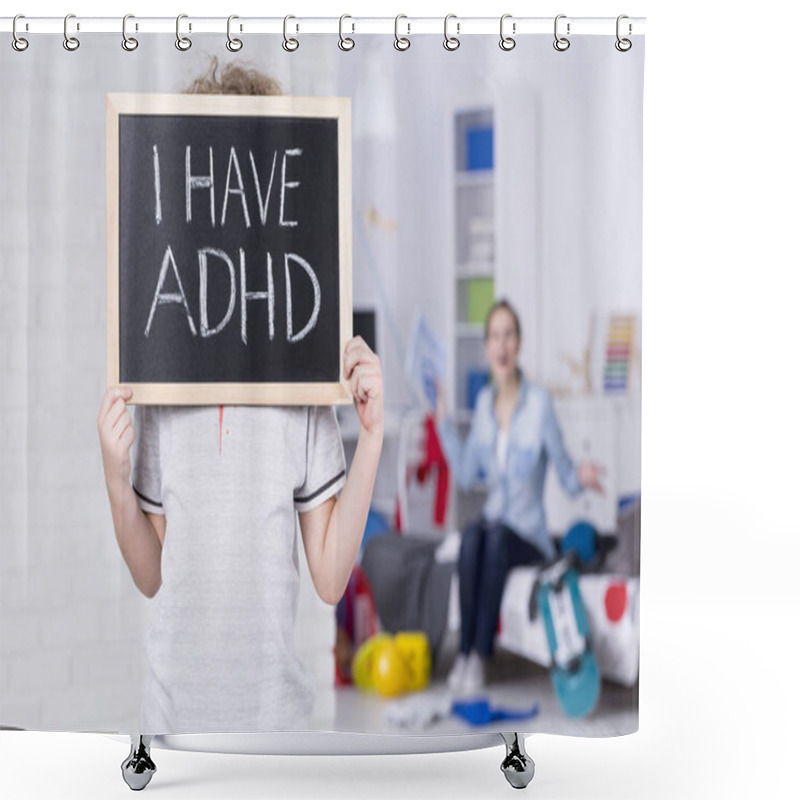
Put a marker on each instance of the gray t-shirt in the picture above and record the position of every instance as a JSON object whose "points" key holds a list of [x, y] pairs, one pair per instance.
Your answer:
{"points": [[219, 643]]}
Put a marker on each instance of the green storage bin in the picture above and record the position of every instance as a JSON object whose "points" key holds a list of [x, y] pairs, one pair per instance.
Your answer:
{"points": [[480, 296]]}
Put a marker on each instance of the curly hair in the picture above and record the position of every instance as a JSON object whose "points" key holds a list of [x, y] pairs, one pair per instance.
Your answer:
{"points": [[233, 79]]}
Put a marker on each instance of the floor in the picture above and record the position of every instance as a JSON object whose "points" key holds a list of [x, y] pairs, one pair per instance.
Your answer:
{"points": [[512, 682]]}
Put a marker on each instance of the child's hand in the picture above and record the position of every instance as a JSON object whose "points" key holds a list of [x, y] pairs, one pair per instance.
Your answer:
{"points": [[363, 369], [115, 427]]}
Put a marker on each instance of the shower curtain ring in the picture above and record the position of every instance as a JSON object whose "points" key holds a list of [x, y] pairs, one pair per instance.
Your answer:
{"points": [[345, 42], [70, 42], [401, 42], [182, 42], [507, 42], [129, 43], [233, 44], [561, 43], [289, 44], [18, 43], [623, 45], [451, 42]]}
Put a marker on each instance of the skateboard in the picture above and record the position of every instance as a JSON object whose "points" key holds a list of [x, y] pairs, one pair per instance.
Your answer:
{"points": [[573, 668]]}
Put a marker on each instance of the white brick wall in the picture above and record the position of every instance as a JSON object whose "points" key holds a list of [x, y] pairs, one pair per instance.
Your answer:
{"points": [[70, 617]]}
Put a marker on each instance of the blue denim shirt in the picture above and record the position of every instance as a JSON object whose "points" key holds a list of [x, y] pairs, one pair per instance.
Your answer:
{"points": [[534, 438]]}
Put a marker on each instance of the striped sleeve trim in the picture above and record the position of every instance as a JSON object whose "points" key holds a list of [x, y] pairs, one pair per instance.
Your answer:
{"points": [[321, 489], [146, 498]]}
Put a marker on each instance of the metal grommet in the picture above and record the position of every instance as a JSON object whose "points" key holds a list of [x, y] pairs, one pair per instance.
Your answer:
{"points": [[345, 42], [129, 43], [18, 42], [182, 42], [233, 44], [623, 45], [507, 42], [289, 44], [561, 43], [401, 42], [451, 42], [70, 42]]}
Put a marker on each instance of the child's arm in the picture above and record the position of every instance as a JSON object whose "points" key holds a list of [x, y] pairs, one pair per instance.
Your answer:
{"points": [[332, 531], [139, 538]]}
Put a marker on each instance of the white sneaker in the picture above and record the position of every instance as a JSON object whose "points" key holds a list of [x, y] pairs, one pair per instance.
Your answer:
{"points": [[474, 679], [456, 676]]}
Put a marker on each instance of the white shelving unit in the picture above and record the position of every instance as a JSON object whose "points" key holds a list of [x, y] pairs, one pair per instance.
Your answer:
{"points": [[474, 240], [473, 267]]}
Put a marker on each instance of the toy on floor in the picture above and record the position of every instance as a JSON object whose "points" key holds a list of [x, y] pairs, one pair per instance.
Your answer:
{"points": [[416, 652], [420, 710], [392, 665], [423, 709], [477, 711], [573, 670]]}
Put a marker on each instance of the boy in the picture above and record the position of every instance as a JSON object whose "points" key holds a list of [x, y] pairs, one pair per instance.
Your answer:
{"points": [[205, 521]]}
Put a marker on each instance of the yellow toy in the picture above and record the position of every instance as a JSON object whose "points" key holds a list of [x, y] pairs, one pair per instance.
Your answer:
{"points": [[390, 674], [362, 662], [391, 665], [417, 654]]}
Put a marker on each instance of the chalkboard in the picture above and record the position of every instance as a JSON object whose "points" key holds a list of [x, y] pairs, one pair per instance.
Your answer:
{"points": [[229, 248], [364, 326]]}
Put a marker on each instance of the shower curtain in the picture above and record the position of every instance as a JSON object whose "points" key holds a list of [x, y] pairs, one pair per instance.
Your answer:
{"points": [[486, 563]]}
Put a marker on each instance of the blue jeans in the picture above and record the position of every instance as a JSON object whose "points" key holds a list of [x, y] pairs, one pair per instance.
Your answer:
{"points": [[488, 551]]}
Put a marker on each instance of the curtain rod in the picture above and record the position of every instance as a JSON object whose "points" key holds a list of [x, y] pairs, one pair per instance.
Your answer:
{"points": [[349, 25]]}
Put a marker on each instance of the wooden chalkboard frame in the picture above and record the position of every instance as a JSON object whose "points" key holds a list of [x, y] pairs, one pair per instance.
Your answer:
{"points": [[316, 393]]}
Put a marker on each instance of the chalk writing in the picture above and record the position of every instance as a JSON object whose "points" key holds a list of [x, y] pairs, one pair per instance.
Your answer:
{"points": [[233, 161], [234, 187], [160, 297], [199, 182], [157, 183]]}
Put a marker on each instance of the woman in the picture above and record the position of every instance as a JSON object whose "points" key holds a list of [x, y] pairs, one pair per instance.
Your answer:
{"points": [[513, 436]]}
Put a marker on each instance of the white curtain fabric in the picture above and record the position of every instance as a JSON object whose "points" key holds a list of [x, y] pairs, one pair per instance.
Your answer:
{"points": [[568, 235]]}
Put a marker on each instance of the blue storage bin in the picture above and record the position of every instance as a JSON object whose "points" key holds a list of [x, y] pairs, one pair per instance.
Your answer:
{"points": [[480, 148]]}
